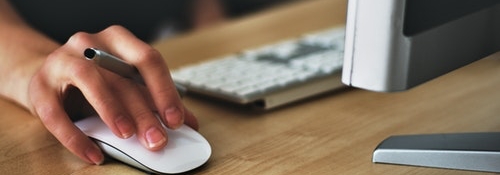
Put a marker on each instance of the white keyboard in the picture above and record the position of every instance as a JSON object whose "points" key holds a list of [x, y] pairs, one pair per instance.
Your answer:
{"points": [[271, 75]]}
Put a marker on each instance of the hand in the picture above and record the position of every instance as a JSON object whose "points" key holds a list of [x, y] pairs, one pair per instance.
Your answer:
{"points": [[126, 108]]}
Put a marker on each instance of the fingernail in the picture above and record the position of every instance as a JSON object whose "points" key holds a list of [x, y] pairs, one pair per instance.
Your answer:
{"points": [[174, 117], [94, 155], [155, 137], [125, 127]]}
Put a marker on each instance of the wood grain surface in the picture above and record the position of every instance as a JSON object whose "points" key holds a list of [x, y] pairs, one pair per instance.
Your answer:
{"points": [[333, 133]]}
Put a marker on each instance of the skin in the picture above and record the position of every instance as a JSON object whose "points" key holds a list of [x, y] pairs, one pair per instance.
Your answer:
{"points": [[55, 83]]}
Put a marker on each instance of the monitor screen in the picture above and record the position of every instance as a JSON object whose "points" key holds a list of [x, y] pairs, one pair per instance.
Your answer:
{"points": [[393, 45]]}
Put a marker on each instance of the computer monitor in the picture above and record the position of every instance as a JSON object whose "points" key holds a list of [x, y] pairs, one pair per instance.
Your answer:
{"points": [[394, 45]]}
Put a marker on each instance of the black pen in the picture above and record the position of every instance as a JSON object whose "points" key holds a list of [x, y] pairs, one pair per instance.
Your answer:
{"points": [[120, 67]]}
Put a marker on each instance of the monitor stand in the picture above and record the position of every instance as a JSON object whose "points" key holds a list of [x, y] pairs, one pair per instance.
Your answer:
{"points": [[463, 151]]}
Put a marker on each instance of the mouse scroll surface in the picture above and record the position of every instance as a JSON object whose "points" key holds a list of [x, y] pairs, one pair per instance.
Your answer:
{"points": [[186, 148]]}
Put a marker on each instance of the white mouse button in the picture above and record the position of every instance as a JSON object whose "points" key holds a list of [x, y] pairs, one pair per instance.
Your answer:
{"points": [[186, 148]]}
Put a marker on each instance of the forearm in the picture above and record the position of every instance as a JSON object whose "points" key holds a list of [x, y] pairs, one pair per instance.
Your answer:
{"points": [[22, 52]]}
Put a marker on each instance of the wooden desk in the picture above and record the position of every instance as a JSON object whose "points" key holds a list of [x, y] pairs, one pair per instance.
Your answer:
{"points": [[334, 133]]}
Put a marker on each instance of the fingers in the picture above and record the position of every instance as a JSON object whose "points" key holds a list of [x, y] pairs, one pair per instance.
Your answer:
{"points": [[151, 132], [84, 75], [153, 69], [105, 102], [148, 128], [47, 90], [52, 115]]}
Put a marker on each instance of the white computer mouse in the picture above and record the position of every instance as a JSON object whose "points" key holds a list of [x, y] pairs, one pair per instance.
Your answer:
{"points": [[186, 148]]}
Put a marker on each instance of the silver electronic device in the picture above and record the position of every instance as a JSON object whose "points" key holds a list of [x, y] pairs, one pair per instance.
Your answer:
{"points": [[394, 45]]}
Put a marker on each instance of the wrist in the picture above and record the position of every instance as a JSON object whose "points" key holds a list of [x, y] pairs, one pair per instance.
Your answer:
{"points": [[21, 58], [16, 82]]}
